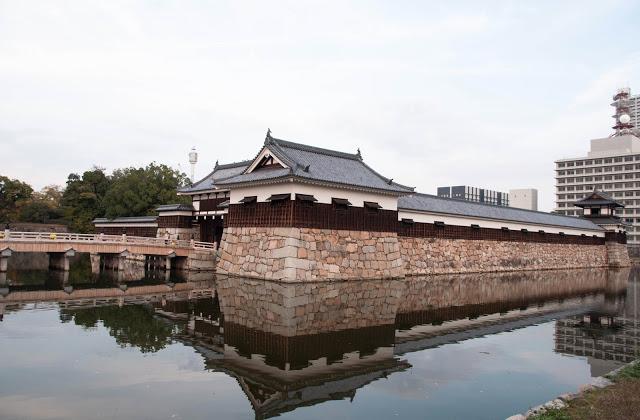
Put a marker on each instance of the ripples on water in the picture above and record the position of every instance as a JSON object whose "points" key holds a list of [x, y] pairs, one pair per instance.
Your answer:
{"points": [[190, 346]]}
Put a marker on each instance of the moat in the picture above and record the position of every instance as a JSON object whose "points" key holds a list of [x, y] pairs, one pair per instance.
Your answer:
{"points": [[156, 345]]}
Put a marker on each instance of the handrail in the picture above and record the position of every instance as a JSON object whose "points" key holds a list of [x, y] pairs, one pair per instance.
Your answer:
{"points": [[9, 235]]}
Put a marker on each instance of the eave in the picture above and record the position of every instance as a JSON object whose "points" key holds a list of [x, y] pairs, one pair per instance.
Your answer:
{"points": [[296, 179]]}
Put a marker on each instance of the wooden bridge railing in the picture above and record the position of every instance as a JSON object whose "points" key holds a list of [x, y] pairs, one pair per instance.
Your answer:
{"points": [[102, 238]]}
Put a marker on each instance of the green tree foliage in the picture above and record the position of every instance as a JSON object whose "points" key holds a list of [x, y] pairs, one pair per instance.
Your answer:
{"points": [[138, 191], [43, 207], [83, 199], [127, 192], [130, 325], [13, 194]]}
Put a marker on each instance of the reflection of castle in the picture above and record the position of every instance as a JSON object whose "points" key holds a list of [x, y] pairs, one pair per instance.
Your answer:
{"points": [[609, 337], [290, 345], [281, 373]]}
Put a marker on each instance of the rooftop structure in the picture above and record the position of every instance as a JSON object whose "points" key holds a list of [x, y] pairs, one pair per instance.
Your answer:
{"points": [[480, 195], [524, 198]]}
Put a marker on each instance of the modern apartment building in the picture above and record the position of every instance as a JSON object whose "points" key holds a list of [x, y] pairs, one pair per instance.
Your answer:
{"points": [[612, 165], [479, 195]]}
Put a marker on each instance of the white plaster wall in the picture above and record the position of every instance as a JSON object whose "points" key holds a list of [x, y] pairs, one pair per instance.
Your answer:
{"points": [[489, 223], [322, 194]]}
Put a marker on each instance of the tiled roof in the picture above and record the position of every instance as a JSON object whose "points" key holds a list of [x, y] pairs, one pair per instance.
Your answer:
{"points": [[175, 207], [219, 173], [316, 164], [434, 204], [597, 198]]}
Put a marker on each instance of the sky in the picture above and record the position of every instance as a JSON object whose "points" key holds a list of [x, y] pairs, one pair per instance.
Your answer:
{"points": [[486, 94]]}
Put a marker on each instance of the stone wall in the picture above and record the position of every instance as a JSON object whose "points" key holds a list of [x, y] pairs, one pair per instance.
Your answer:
{"points": [[293, 309], [443, 291], [305, 254], [618, 255], [442, 256]]}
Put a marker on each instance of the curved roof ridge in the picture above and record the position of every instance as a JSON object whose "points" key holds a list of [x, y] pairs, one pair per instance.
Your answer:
{"points": [[388, 180], [314, 149]]}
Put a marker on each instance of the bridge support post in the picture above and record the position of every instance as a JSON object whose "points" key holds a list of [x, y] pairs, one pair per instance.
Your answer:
{"points": [[122, 258], [4, 259], [4, 284], [167, 260], [60, 260], [95, 263]]}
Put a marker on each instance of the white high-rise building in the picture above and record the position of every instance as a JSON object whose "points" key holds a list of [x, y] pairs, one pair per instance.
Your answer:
{"points": [[634, 110], [612, 166], [524, 198]]}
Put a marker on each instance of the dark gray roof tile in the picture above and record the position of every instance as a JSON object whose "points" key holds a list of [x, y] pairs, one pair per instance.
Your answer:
{"points": [[220, 172], [433, 204]]}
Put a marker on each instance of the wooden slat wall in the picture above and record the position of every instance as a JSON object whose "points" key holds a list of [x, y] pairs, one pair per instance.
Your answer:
{"points": [[429, 230]]}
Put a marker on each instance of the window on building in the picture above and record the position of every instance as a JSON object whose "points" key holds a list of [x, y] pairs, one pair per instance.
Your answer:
{"points": [[561, 165], [598, 161], [589, 162], [618, 159]]}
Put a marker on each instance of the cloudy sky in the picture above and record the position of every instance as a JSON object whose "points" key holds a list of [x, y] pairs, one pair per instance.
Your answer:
{"points": [[434, 93]]}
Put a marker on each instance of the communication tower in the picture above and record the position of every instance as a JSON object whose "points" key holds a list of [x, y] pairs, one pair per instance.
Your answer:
{"points": [[621, 102], [193, 159]]}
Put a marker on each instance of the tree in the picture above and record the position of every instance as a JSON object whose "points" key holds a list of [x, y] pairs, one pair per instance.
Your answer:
{"points": [[138, 191], [13, 193], [130, 325], [43, 207], [83, 199]]}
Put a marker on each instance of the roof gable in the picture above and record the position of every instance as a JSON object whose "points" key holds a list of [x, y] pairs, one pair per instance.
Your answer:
{"points": [[598, 198], [266, 159]]}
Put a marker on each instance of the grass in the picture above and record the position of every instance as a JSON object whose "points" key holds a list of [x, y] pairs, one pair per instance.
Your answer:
{"points": [[618, 401]]}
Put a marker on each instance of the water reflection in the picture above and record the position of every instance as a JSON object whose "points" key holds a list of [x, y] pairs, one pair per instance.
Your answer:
{"points": [[289, 346]]}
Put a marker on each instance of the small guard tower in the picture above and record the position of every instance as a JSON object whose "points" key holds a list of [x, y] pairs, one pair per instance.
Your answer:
{"points": [[600, 209]]}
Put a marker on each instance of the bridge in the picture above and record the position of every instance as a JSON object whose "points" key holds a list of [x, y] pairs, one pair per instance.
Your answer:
{"points": [[109, 251]]}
